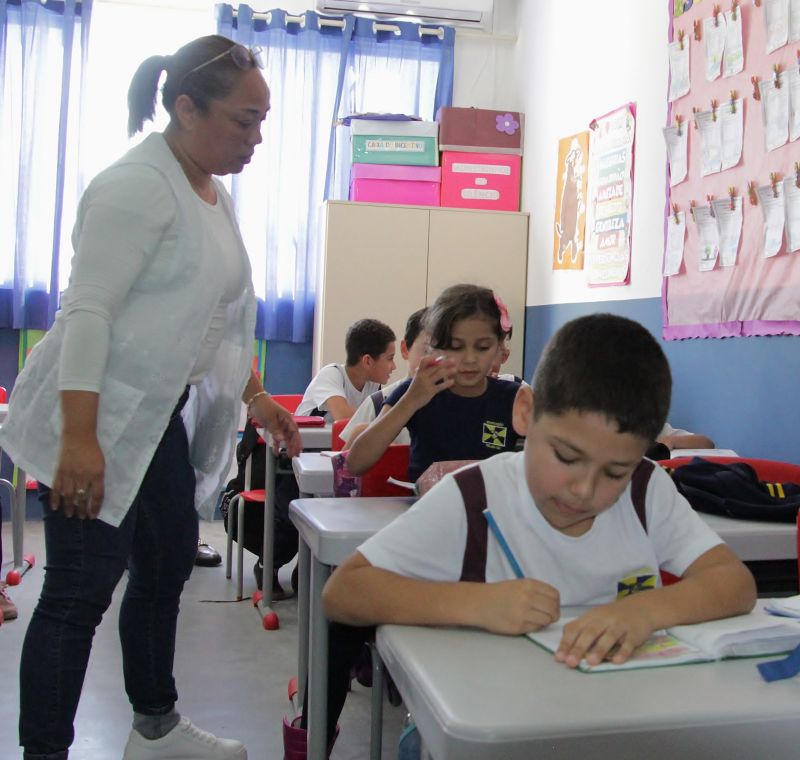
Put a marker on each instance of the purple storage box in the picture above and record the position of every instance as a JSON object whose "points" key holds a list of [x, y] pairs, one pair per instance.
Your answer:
{"points": [[389, 183]]}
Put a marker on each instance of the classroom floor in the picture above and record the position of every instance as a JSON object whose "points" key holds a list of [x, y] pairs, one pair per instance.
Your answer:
{"points": [[231, 674]]}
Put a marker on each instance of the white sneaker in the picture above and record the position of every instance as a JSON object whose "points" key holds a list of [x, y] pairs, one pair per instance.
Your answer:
{"points": [[185, 742]]}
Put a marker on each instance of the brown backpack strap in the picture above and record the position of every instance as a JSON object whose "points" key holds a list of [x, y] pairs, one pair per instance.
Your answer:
{"points": [[639, 481], [473, 491]]}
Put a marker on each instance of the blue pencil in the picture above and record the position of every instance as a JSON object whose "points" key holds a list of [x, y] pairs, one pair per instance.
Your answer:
{"points": [[501, 539]]}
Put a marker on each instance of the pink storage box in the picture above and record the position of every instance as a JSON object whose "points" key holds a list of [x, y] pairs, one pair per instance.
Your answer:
{"points": [[481, 180], [388, 183]]}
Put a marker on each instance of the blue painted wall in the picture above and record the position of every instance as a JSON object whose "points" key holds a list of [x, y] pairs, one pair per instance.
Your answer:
{"points": [[742, 392]]}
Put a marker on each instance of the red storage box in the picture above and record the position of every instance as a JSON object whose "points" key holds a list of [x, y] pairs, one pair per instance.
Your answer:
{"points": [[478, 130], [481, 180], [388, 183]]}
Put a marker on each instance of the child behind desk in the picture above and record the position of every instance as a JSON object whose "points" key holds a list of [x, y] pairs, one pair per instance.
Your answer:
{"points": [[452, 409], [588, 519]]}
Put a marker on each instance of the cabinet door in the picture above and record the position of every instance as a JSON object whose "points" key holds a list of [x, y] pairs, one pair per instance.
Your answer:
{"points": [[486, 248], [374, 265]]}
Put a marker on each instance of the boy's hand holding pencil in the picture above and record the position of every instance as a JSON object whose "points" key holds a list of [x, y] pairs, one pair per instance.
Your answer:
{"points": [[518, 606]]}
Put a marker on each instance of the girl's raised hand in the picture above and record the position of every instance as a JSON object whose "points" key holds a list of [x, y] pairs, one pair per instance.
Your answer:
{"points": [[434, 374]]}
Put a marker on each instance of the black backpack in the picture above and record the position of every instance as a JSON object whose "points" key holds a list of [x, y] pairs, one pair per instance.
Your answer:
{"points": [[734, 490]]}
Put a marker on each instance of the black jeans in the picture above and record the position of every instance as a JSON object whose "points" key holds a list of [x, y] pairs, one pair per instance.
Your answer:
{"points": [[157, 543]]}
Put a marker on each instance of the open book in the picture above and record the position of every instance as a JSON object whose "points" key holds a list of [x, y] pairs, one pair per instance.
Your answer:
{"points": [[751, 635]]}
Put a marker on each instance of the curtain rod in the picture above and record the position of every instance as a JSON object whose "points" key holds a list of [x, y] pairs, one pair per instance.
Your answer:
{"points": [[338, 23]]}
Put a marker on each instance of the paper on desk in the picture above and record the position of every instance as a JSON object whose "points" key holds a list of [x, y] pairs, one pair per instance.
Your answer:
{"points": [[786, 607], [703, 453], [707, 236], [676, 233], [402, 483], [729, 223], [772, 206], [678, 70], [714, 31], [775, 113]]}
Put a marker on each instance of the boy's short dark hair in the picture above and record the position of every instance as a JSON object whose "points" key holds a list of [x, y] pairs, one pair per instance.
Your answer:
{"points": [[414, 326], [367, 336], [607, 364]]}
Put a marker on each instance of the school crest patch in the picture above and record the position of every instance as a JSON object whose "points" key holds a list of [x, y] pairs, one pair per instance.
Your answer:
{"points": [[494, 435], [641, 580]]}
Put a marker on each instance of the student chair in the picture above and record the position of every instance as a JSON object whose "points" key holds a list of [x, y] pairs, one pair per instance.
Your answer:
{"points": [[337, 442], [250, 497], [393, 463]]}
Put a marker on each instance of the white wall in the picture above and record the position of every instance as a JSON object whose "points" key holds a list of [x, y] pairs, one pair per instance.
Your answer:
{"points": [[576, 60]]}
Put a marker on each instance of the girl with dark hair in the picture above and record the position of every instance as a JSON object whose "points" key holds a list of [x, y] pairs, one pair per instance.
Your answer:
{"points": [[139, 384], [452, 407]]}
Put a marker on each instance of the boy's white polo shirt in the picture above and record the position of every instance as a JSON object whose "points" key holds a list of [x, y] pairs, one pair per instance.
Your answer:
{"points": [[427, 542]]}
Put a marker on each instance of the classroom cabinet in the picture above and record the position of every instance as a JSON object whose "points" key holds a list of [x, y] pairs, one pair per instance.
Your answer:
{"points": [[385, 261]]}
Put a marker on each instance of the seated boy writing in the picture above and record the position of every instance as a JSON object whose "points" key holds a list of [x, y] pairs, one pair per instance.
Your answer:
{"points": [[567, 506], [338, 389]]}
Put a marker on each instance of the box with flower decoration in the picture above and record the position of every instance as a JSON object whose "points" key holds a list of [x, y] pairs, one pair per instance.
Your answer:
{"points": [[479, 130]]}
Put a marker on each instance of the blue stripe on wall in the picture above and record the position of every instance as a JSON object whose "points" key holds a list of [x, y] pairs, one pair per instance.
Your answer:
{"points": [[742, 392]]}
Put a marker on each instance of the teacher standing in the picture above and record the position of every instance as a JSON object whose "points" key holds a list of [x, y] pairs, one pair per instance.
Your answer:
{"points": [[127, 409]]}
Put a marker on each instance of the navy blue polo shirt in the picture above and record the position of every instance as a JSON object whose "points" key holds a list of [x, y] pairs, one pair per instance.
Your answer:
{"points": [[460, 427]]}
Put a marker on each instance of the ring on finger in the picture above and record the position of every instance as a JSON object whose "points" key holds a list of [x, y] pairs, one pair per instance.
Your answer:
{"points": [[80, 493]]}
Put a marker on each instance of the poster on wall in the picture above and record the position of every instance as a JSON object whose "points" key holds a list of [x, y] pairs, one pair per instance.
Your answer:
{"points": [[570, 221], [610, 197]]}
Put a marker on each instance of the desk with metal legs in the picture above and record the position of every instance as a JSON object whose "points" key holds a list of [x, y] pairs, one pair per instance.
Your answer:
{"points": [[330, 529]]}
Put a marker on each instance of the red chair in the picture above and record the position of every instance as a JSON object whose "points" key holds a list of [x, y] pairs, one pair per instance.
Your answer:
{"points": [[337, 443], [393, 463], [766, 469], [255, 499]]}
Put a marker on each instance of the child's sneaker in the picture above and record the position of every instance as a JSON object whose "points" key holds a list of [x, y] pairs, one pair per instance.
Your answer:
{"points": [[7, 607], [185, 742]]}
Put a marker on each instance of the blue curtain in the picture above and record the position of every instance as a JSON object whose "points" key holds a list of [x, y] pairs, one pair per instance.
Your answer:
{"points": [[317, 74], [42, 62]]}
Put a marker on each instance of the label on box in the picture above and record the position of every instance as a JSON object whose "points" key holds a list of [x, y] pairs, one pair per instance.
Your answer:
{"points": [[464, 168], [395, 146], [470, 193]]}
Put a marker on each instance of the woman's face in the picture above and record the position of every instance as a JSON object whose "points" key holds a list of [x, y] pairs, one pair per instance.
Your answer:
{"points": [[223, 140]]}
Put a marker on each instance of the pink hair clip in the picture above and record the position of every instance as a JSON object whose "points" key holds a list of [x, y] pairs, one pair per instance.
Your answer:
{"points": [[505, 320]]}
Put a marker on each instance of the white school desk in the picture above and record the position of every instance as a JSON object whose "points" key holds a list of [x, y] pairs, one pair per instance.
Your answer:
{"points": [[477, 696], [17, 505], [330, 530], [314, 474], [318, 438]]}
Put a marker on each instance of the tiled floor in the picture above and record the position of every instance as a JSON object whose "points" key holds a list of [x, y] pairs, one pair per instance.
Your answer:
{"points": [[231, 674]]}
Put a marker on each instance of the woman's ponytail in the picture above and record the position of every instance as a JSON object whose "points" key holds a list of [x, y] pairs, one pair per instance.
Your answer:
{"points": [[143, 91]]}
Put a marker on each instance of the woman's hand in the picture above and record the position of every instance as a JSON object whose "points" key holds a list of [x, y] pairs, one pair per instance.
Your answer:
{"points": [[79, 482], [280, 424]]}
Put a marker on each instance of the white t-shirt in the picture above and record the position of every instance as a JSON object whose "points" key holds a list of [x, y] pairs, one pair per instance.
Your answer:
{"points": [[332, 380], [427, 542], [366, 414]]}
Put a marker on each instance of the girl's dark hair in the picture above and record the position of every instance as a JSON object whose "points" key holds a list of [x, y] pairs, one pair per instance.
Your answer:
{"points": [[606, 364], [211, 82], [461, 302]]}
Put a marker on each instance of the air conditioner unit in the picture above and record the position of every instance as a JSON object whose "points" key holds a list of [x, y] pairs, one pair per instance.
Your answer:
{"points": [[473, 14]]}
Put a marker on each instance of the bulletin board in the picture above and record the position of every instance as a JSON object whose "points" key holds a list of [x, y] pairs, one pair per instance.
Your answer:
{"points": [[754, 295]]}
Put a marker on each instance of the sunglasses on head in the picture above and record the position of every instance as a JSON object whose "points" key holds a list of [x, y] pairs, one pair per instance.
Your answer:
{"points": [[244, 59]]}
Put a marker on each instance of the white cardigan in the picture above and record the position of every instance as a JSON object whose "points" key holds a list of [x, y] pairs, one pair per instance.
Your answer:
{"points": [[155, 339]]}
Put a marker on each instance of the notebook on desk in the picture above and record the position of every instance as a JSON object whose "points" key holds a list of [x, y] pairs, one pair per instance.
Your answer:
{"points": [[752, 635]]}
